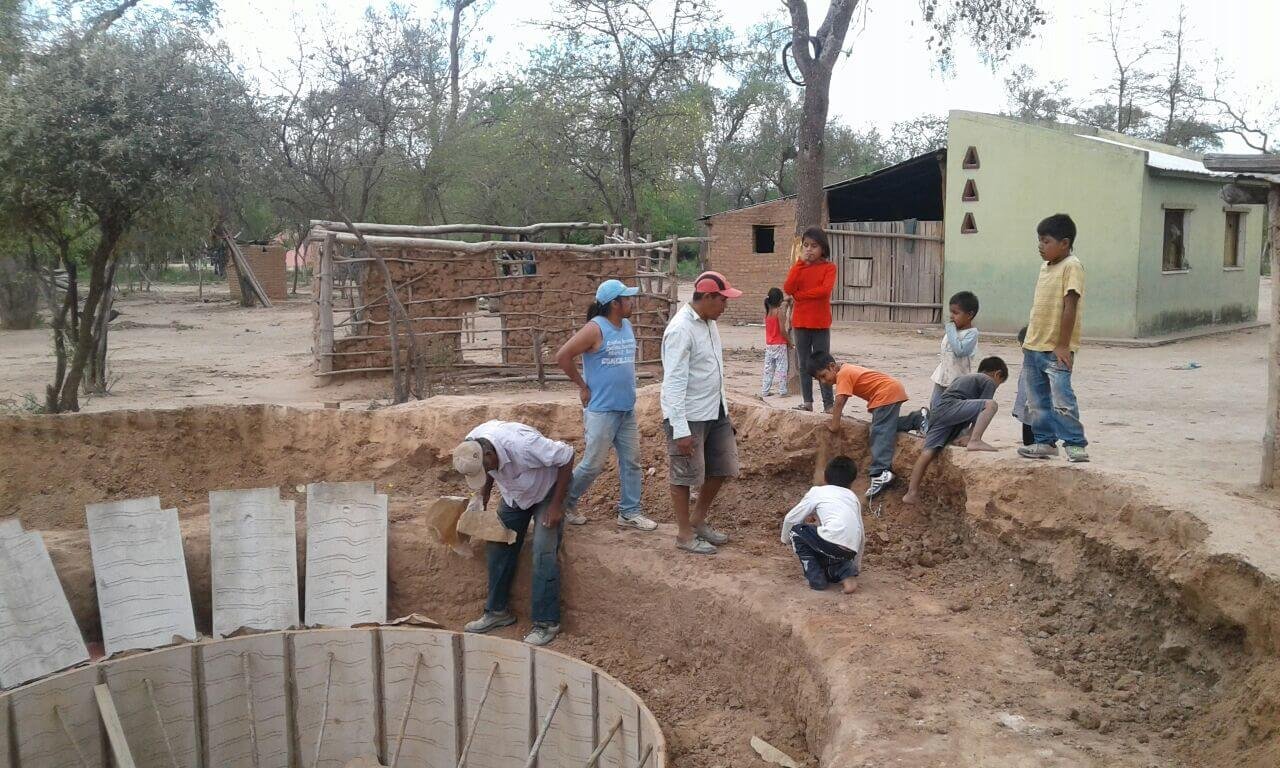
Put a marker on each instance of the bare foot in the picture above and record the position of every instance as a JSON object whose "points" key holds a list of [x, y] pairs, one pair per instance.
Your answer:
{"points": [[961, 441], [978, 445], [849, 585], [911, 497]]}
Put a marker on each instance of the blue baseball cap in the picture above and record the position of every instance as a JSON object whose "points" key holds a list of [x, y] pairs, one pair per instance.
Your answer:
{"points": [[612, 289]]}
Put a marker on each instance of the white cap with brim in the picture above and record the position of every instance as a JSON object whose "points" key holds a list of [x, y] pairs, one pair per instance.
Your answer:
{"points": [[468, 459]]}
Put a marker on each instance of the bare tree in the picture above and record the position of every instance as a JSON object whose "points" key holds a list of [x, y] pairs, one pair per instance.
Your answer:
{"points": [[994, 26], [1254, 117], [1130, 82], [620, 66], [455, 89]]}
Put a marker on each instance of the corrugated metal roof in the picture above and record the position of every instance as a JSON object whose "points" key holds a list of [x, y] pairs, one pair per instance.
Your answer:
{"points": [[1164, 161]]}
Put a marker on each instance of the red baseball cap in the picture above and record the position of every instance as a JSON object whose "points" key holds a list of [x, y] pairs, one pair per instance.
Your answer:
{"points": [[714, 282]]}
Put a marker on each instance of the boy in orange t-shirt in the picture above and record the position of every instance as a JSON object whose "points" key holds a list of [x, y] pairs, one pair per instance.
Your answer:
{"points": [[884, 395]]}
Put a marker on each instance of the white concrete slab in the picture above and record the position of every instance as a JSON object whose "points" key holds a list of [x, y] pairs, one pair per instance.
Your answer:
{"points": [[431, 730], [502, 733], [571, 737], [38, 633], [614, 700], [254, 561], [160, 720], [343, 662], [144, 597], [45, 712], [346, 555], [228, 737]]}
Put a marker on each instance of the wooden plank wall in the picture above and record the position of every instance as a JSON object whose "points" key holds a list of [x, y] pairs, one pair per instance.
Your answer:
{"points": [[903, 271]]}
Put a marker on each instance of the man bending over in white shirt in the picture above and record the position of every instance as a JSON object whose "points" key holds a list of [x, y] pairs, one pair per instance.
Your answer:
{"points": [[532, 473], [825, 529]]}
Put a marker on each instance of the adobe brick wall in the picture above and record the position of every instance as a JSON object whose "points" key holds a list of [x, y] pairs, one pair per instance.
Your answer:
{"points": [[553, 301], [267, 263], [731, 253]]}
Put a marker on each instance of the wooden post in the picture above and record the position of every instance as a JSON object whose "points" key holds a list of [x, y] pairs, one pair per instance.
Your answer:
{"points": [[537, 359], [1255, 168], [1271, 437], [324, 304], [111, 723]]}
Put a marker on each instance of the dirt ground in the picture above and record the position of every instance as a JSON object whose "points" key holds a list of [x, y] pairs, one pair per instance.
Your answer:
{"points": [[1191, 436], [1123, 613], [987, 631]]}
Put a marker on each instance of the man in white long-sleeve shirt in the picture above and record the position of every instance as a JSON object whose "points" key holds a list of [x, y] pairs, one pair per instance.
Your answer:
{"points": [[532, 473], [701, 448], [825, 529]]}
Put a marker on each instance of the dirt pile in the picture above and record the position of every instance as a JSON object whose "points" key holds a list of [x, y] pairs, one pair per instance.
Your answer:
{"points": [[1039, 617]]}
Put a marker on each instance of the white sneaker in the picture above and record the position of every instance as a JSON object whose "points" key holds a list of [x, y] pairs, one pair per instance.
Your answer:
{"points": [[639, 522], [879, 482], [574, 517], [1038, 451]]}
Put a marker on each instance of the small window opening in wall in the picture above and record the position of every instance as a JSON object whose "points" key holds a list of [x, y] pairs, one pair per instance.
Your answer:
{"points": [[968, 225], [1232, 256], [1174, 258], [763, 237], [971, 159], [970, 194]]}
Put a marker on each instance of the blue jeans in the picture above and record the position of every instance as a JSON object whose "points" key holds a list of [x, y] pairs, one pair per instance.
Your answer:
{"points": [[502, 559], [1052, 410], [604, 429], [822, 561]]}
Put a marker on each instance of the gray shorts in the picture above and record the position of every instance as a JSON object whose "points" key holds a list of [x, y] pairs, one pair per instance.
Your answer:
{"points": [[946, 423], [715, 453]]}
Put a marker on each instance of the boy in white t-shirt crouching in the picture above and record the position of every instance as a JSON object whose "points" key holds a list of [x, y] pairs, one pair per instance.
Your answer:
{"points": [[825, 529]]}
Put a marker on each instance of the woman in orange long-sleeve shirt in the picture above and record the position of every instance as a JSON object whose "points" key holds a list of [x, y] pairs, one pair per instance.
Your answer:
{"points": [[810, 283]]}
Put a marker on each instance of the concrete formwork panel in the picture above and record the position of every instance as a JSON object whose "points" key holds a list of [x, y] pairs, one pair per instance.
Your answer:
{"points": [[502, 732], [254, 561], [346, 555], [335, 696], [155, 696], [144, 597], [38, 633], [56, 722], [431, 732], [571, 737], [5, 744], [651, 736], [613, 701], [231, 672]]}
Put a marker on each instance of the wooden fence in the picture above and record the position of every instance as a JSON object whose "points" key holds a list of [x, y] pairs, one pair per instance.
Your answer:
{"points": [[887, 271]]}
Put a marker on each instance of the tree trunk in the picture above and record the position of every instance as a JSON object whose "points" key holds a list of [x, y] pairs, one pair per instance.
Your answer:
{"points": [[455, 88], [69, 397], [630, 208], [812, 149], [98, 363]]}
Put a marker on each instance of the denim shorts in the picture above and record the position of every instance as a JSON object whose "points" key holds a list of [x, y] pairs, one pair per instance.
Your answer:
{"points": [[715, 453]]}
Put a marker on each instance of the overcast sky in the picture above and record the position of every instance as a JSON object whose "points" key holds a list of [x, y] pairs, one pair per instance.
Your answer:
{"points": [[890, 74]]}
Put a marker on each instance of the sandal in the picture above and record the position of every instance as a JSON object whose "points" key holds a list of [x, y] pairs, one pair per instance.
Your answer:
{"points": [[697, 546]]}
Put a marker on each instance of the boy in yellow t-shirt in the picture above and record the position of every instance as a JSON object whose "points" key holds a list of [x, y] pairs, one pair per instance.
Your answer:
{"points": [[1053, 336]]}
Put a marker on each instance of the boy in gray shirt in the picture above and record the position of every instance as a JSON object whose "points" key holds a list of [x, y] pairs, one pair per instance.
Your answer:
{"points": [[967, 401]]}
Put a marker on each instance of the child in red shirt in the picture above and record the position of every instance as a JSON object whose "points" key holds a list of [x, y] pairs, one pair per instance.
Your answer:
{"points": [[810, 283], [776, 345]]}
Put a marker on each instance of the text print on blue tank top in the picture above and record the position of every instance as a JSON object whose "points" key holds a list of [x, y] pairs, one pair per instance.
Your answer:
{"points": [[610, 371]]}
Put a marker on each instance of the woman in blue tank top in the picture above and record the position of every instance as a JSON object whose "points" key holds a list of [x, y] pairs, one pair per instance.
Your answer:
{"points": [[607, 386]]}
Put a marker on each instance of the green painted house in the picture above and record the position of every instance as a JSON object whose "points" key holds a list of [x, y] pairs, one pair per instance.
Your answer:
{"points": [[1162, 252]]}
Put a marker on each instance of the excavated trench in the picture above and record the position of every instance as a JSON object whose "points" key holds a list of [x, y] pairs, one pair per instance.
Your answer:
{"points": [[1037, 615]]}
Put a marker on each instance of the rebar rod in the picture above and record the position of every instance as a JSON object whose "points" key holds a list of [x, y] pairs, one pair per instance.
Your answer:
{"points": [[164, 732], [66, 731], [324, 713], [253, 726], [404, 719], [546, 726], [595, 756], [475, 721]]}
